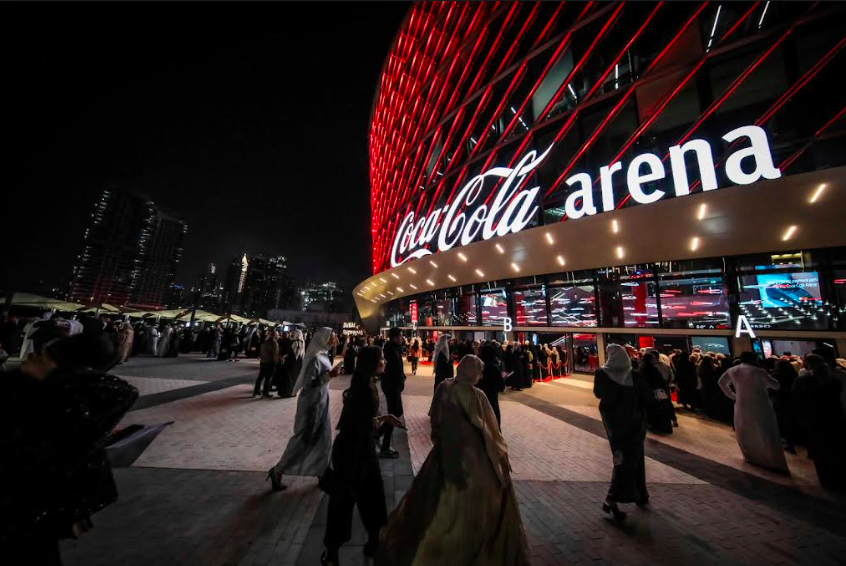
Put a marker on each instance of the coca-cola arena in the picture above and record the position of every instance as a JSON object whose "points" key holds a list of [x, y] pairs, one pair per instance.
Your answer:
{"points": [[686, 197]]}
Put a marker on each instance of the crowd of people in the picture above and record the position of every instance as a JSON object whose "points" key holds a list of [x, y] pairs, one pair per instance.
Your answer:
{"points": [[461, 505], [61, 404]]}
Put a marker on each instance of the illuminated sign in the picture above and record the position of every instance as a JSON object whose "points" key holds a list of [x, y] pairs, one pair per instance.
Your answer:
{"points": [[511, 208], [743, 327], [352, 329], [412, 308]]}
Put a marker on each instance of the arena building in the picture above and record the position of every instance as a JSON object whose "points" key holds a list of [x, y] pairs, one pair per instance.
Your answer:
{"points": [[668, 174]]}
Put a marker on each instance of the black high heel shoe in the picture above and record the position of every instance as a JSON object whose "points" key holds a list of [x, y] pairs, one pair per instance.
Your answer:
{"points": [[611, 507], [275, 480]]}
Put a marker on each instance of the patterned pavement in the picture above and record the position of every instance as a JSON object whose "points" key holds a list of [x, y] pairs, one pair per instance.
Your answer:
{"points": [[196, 495]]}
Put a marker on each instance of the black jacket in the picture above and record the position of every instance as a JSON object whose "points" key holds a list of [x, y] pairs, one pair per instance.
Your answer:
{"points": [[394, 376], [52, 435]]}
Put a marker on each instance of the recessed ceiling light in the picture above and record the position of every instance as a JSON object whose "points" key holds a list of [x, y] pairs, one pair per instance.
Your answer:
{"points": [[694, 244], [480, 273], [451, 278], [414, 271], [383, 280], [499, 249], [400, 290], [413, 286], [561, 260], [620, 252], [515, 267], [430, 282], [462, 256], [818, 193], [614, 226], [394, 275], [789, 233], [549, 238], [703, 208], [435, 265]]}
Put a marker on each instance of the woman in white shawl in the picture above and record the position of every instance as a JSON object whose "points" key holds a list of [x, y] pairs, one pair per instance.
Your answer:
{"points": [[624, 397], [755, 421], [310, 448], [461, 507]]}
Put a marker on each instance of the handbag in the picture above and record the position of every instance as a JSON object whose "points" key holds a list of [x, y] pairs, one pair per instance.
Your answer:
{"points": [[661, 395]]}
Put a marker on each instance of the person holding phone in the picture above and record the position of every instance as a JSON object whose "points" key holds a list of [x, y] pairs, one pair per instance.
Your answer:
{"points": [[356, 478]]}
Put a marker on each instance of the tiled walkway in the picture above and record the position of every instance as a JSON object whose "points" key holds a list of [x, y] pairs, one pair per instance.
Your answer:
{"points": [[197, 496]]}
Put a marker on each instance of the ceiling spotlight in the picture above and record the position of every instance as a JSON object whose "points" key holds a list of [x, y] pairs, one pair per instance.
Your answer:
{"points": [[394, 275], [789, 233], [411, 269], [561, 260], [703, 208], [818, 193], [549, 238], [383, 280], [499, 249], [391, 294], [515, 267], [694, 244], [412, 286], [400, 290], [435, 265], [479, 273], [614, 226], [462, 256], [620, 252], [430, 282], [451, 278]]}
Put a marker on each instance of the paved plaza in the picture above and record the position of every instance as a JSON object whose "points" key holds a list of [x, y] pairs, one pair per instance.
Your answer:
{"points": [[195, 493]]}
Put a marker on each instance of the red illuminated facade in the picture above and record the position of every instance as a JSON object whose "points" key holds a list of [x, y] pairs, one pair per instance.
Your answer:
{"points": [[577, 88], [468, 86]]}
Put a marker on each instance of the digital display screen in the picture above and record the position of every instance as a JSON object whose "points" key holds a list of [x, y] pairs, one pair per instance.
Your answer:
{"points": [[778, 290], [494, 307], [716, 344]]}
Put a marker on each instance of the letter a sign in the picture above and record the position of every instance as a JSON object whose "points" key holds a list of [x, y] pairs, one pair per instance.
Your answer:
{"points": [[743, 327]]}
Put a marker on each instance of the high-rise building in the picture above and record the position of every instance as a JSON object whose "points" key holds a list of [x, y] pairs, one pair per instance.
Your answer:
{"points": [[130, 253], [209, 291], [325, 296], [267, 285], [236, 276], [160, 258]]}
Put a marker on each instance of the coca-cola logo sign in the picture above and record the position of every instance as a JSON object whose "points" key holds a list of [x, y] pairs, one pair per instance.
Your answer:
{"points": [[511, 210], [513, 207]]}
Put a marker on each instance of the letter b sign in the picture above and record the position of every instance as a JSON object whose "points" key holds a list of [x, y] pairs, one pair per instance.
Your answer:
{"points": [[506, 324]]}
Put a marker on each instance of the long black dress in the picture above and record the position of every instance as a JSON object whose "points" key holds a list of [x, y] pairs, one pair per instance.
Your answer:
{"points": [[492, 384], [357, 478], [623, 411], [821, 415], [285, 377], [443, 369], [659, 414]]}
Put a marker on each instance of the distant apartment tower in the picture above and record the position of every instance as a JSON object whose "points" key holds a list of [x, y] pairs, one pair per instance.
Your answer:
{"points": [[267, 285], [236, 276], [209, 290], [130, 253], [323, 296]]}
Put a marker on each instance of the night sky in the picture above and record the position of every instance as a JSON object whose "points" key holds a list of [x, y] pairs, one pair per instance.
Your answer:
{"points": [[249, 121]]}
